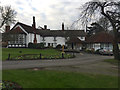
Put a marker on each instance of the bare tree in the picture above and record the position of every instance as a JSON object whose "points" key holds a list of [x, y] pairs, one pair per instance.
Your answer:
{"points": [[109, 9], [7, 15], [95, 28], [105, 23]]}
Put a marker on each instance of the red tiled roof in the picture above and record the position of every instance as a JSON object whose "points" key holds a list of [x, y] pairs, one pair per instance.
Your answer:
{"points": [[17, 30], [101, 37]]}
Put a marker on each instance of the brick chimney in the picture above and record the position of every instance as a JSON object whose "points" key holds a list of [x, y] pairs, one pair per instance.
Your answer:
{"points": [[45, 26], [7, 28], [62, 26], [34, 28], [34, 24]]}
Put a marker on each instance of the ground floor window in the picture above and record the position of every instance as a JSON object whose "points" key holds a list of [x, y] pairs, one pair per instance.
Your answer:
{"points": [[106, 45], [48, 44], [18, 39]]}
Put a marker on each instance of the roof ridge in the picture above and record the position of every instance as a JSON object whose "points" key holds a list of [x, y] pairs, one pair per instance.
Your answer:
{"points": [[24, 24]]}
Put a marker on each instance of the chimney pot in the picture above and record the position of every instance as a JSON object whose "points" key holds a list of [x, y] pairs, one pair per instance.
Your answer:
{"points": [[7, 28], [45, 26], [34, 24], [34, 27], [62, 26]]}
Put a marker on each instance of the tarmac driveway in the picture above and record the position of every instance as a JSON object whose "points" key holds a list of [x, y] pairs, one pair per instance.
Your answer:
{"points": [[88, 63]]}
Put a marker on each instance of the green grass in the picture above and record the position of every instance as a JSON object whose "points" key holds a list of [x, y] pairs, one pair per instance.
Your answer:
{"points": [[58, 79], [14, 52], [112, 61]]}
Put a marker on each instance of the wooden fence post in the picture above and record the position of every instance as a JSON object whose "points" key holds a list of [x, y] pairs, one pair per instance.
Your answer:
{"points": [[40, 56], [9, 56], [62, 55]]}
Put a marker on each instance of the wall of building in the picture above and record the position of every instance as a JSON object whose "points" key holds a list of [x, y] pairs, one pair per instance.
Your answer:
{"points": [[97, 46], [60, 40], [75, 46], [38, 38], [50, 41], [30, 38], [119, 46], [18, 41]]}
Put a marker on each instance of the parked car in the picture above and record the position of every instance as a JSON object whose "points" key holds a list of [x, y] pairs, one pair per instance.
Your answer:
{"points": [[106, 51]]}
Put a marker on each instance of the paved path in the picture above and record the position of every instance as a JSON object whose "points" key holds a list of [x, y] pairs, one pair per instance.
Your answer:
{"points": [[81, 58]]}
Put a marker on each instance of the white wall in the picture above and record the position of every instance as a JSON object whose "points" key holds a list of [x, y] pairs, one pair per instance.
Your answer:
{"points": [[48, 40], [27, 39], [99, 46], [30, 38], [38, 38], [96, 46], [60, 40]]}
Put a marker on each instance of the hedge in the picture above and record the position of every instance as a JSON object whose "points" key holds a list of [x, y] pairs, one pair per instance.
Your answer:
{"points": [[36, 46]]}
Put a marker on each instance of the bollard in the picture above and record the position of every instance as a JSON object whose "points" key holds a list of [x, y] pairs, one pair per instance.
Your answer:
{"points": [[73, 54], [62, 55], [9, 56], [40, 56]]}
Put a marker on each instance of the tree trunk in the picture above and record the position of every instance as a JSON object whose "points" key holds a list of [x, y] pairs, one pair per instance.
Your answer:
{"points": [[115, 45], [116, 50], [115, 40]]}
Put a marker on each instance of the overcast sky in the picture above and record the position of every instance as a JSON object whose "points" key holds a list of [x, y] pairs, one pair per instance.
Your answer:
{"points": [[47, 12]]}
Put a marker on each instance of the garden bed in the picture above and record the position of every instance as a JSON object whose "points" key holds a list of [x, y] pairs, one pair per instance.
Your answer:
{"points": [[8, 85], [42, 57], [32, 54]]}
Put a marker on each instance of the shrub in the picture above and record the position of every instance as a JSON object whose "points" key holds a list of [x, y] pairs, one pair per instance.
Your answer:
{"points": [[89, 50], [97, 51], [30, 45], [4, 44], [50, 47], [40, 45], [36, 46], [58, 46]]}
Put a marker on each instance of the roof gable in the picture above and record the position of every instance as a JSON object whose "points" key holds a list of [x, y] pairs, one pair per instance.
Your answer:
{"points": [[17, 30], [27, 28]]}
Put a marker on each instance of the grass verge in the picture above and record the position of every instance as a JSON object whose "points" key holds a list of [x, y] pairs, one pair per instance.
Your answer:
{"points": [[112, 61], [26, 53], [29, 78]]}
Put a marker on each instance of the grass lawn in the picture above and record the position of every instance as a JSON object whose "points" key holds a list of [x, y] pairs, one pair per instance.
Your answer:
{"points": [[14, 52], [29, 78], [112, 61]]}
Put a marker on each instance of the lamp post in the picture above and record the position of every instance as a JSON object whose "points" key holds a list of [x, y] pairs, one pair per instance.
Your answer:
{"points": [[73, 49]]}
